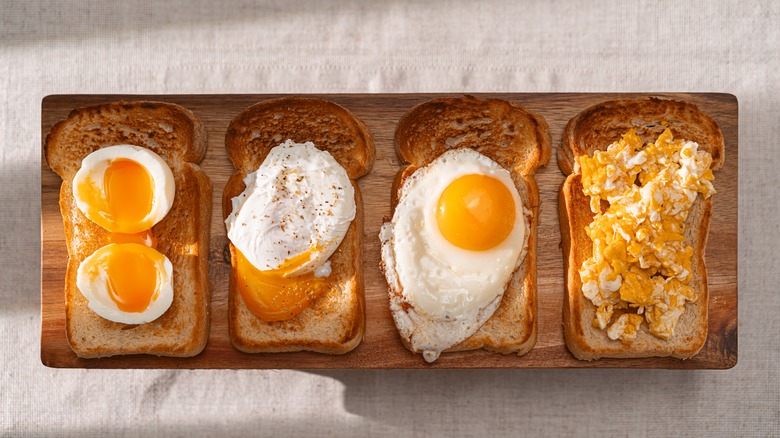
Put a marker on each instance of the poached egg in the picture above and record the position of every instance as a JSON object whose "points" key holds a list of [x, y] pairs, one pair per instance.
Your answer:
{"points": [[292, 216]]}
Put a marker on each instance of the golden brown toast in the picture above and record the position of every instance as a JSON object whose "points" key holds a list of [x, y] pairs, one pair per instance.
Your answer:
{"points": [[178, 136], [595, 129], [519, 141], [333, 323]]}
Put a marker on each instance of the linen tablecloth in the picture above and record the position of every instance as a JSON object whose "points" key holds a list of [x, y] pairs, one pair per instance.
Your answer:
{"points": [[297, 46]]}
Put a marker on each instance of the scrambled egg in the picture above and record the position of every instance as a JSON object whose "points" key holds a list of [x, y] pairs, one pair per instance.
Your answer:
{"points": [[641, 264]]}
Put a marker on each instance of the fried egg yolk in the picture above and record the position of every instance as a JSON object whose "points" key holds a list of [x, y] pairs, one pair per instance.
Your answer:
{"points": [[476, 212], [276, 295]]}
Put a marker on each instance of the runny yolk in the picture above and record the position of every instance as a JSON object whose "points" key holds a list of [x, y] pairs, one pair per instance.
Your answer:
{"points": [[132, 276], [126, 198], [476, 212], [143, 238], [129, 192], [273, 296], [131, 266]]}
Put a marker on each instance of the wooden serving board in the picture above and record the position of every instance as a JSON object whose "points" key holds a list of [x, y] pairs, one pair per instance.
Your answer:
{"points": [[381, 347]]}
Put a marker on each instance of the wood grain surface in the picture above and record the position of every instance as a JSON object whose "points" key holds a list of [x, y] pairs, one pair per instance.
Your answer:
{"points": [[382, 347]]}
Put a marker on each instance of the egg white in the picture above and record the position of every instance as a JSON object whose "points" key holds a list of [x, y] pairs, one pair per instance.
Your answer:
{"points": [[93, 169], [438, 277], [92, 282], [300, 200], [452, 291]]}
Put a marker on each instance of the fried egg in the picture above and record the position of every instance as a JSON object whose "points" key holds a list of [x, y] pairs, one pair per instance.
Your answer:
{"points": [[292, 216], [457, 234], [126, 190], [127, 282]]}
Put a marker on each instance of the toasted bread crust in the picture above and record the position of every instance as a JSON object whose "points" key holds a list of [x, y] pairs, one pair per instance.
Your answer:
{"points": [[595, 129], [265, 125], [171, 131], [177, 135], [584, 133], [519, 141], [515, 138], [334, 323]]}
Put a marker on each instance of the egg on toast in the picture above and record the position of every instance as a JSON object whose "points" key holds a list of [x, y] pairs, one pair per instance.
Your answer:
{"points": [[136, 210], [459, 252], [634, 213], [294, 219]]}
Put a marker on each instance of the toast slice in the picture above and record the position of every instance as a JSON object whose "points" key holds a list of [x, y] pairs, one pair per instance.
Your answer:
{"points": [[334, 323], [519, 141], [595, 129], [178, 136]]}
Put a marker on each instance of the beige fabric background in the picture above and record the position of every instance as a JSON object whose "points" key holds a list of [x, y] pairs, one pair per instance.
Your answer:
{"points": [[95, 46]]}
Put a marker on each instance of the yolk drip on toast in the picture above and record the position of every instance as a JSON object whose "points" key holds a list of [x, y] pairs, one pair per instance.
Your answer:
{"points": [[275, 295], [143, 238]]}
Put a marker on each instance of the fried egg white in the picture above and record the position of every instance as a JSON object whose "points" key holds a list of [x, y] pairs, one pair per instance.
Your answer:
{"points": [[456, 236]]}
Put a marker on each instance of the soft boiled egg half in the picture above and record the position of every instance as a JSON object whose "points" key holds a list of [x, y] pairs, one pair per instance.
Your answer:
{"points": [[127, 282], [126, 190], [456, 236], [292, 216]]}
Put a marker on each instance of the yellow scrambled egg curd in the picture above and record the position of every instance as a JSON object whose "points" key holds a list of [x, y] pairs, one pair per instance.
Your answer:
{"points": [[641, 264]]}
